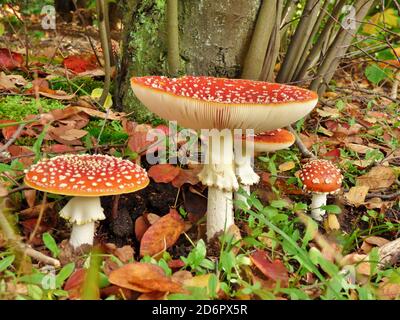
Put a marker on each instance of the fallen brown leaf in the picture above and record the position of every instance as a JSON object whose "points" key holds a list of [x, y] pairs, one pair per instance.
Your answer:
{"points": [[143, 277], [378, 177], [162, 234], [274, 270], [356, 195]]}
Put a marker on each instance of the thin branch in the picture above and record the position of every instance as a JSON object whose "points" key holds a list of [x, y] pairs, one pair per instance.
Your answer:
{"points": [[389, 196], [104, 35], [389, 253], [303, 149], [323, 37], [15, 242], [173, 37], [299, 40], [338, 48], [370, 92], [14, 137]]}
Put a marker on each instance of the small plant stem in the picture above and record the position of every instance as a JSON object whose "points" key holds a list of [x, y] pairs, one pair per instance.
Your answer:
{"points": [[102, 14], [39, 219]]}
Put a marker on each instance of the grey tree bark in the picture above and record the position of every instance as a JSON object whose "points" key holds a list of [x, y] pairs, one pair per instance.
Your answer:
{"points": [[213, 40]]}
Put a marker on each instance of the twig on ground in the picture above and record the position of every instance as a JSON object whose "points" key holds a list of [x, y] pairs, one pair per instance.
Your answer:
{"points": [[389, 253], [37, 255], [14, 137], [27, 155], [303, 149], [13, 239], [389, 196], [23, 188], [370, 92]]}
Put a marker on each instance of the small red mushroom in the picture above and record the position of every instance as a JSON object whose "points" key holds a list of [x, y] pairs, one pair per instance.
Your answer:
{"points": [[86, 178], [320, 177]]}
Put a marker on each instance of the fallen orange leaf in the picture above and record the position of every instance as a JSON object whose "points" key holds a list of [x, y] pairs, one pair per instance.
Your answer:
{"points": [[274, 270], [162, 234], [143, 277], [163, 173]]}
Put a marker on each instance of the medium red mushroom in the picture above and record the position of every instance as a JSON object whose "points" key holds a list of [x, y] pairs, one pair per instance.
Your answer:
{"points": [[86, 178], [320, 177], [222, 105]]}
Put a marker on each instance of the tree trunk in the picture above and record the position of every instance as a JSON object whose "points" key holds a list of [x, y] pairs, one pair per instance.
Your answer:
{"points": [[213, 40]]}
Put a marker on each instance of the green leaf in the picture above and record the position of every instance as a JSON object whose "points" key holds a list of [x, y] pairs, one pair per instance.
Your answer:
{"points": [[331, 208], [103, 280], [279, 203], [64, 274], [35, 292], [6, 262], [96, 94], [227, 260], [375, 74], [373, 260], [51, 244], [35, 278], [1, 29], [311, 229], [38, 143], [213, 285]]}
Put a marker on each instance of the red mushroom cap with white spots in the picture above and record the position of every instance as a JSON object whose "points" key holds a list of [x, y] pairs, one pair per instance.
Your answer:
{"points": [[220, 103], [86, 175], [270, 141], [321, 176]]}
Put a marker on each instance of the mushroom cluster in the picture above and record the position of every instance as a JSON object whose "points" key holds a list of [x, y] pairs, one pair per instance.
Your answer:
{"points": [[86, 178], [222, 105]]}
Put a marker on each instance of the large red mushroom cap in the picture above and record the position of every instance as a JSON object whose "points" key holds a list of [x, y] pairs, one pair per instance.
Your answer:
{"points": [[220, 103], [271, 141], [86, 175], [321, 176]]}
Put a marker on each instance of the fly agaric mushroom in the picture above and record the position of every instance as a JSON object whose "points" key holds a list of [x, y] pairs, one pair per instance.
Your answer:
{"points": [[86, 178], [269, 141], [320, 177], [222, 105]]}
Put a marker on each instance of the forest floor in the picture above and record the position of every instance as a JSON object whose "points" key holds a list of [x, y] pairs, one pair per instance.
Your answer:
{"points": [[273, 252]]}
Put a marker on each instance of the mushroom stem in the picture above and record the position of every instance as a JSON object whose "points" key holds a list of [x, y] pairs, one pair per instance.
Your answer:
{"points": [[82, 212], [244, 169], [219, 211], [82, 234], [219, 175], [241, 197], [318, 200]]}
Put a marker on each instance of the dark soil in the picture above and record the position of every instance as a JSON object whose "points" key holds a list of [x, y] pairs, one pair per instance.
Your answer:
{"points": [[157, 198]]}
